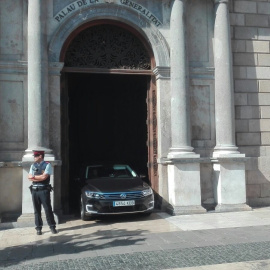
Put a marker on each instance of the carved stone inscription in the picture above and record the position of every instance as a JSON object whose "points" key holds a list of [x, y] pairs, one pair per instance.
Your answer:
{"points": [[142, 10], [78, 5]]}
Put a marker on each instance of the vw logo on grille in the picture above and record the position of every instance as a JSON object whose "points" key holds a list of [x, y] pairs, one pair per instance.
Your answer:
{"points": [[123, 196]]}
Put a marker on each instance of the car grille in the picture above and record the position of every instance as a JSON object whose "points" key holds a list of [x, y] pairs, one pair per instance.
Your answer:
{"points": [[122, 195]]}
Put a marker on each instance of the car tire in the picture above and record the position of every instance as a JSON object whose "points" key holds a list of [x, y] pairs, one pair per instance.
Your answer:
{"points": [[84, 217]]}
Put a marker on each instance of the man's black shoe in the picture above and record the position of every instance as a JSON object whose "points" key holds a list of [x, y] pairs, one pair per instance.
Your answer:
{"points": [[53, 230], [39, 232]]}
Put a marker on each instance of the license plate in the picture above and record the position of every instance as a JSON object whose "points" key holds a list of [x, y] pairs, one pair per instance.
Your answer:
{"points": [[123, 203]]}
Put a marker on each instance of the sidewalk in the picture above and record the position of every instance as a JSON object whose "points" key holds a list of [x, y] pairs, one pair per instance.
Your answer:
{"points": [[212, 241]]}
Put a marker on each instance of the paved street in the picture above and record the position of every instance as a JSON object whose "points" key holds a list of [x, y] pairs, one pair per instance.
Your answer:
{"points": [[212, 241]]}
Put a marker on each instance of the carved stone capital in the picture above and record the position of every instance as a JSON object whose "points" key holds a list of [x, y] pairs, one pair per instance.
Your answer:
{"points": [[55, 68], [163, 73], [221, 2], [183, 1]]}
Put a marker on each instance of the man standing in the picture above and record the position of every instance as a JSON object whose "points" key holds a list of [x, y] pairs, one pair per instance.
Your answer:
{"points": [[39, 174]]}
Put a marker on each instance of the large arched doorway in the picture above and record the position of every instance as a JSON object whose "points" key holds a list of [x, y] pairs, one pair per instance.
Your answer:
{"points": [[108, 103]]}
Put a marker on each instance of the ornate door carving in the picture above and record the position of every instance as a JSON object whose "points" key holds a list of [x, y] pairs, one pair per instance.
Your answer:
{"points": [[152, 133], [109, 47]]}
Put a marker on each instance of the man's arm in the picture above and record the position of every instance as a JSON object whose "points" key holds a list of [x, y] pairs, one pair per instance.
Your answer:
{"points": [[38, 178], [42, 177]]}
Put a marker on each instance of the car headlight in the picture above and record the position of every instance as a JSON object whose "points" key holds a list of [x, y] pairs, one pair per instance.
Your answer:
{"points": [[147, 192], [91, 194]]}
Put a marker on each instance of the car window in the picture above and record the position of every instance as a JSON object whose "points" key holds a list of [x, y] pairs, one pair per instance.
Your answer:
{"points": [[115, 171]]}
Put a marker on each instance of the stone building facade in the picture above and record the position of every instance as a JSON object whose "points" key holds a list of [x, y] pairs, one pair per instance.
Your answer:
{"points": [[202, 66]]}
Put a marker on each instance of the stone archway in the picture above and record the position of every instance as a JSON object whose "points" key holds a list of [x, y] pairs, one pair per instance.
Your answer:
{"points": [[125, 15], [106, 79], [151, 35]]}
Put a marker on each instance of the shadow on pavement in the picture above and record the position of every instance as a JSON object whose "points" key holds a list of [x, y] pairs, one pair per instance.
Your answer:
{"points": [[76, 239]]}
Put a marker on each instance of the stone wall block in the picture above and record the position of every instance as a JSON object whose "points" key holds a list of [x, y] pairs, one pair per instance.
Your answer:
{"points": [[241, 125], [245, 7], [264, 86], [257, 46], [246, 32], [248, 138], [258, 202], [259, 99], [259, 125], [264, 33], [265, 111], [265, 191], [252, 164], [247, 112], [238, 46], [253, 151], [246, 86], [263, 8], [237, 19], [265, 137], [257, 177], [262, 73], [240, 72], [240, 99], [245, 59], [264, 59], [253, 191], [263, 164], [267, 150], [256, 20]]}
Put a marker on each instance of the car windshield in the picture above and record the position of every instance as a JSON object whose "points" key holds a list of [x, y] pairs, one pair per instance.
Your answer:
{"points": [[114, 171]]}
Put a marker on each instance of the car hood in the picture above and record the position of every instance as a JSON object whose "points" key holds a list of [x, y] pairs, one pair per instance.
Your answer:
{"points": [[115, 184]]}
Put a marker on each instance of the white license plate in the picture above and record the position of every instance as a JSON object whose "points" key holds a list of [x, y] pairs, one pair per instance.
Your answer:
{"points": [[123, 203]]}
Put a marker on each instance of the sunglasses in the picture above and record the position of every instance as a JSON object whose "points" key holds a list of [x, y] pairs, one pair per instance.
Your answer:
{"points": [[36, 155]]}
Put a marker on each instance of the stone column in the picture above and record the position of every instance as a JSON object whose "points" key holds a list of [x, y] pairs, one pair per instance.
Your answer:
{"points": [[38, 125], [183, 165], [229, 171], [180, 114], [38, 98], [224, 96]]}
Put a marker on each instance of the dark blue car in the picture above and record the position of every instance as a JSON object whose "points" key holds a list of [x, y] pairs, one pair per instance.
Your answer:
{"points": [[113, 189]]}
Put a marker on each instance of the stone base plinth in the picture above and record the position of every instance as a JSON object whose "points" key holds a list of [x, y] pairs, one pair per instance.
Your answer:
{"points": [[232, 207], [185, 210], [184, 187], [230, 182]]}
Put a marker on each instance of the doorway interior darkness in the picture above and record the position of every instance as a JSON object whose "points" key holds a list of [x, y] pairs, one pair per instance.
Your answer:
{"points": [[107, 116]]}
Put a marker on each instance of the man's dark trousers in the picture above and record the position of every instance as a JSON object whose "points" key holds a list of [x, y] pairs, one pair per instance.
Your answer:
{"points": [[42, 197]]}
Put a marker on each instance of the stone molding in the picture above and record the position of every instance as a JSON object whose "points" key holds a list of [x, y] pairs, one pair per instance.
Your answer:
{"points": [[223, 159], [162, 73], [202, 73], [13, 164], [13, 67], [55, 68], [216, 2]]}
